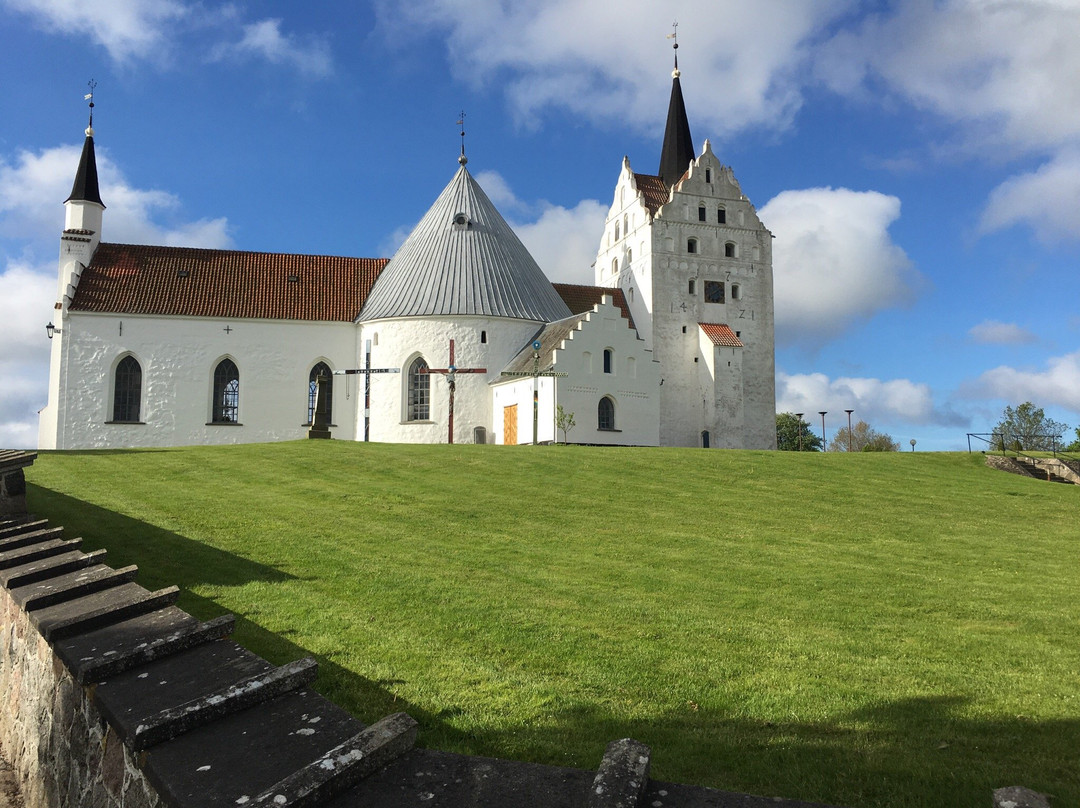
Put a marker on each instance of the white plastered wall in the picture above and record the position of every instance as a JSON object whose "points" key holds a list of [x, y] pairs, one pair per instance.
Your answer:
{"points": [[177, 356], [396, 342]]}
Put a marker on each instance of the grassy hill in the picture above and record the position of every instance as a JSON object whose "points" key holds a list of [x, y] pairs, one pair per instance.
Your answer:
{"points": [[864, 629]]}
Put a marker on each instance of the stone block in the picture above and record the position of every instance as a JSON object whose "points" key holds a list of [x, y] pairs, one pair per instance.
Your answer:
{"points": [[1019, 797]]}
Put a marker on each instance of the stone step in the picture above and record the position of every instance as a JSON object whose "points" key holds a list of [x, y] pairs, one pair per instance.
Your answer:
{"points": [[99, 609], [49, 567], [30, 537], [16, 526], [110, 650], [24, 555], [71, 585]]}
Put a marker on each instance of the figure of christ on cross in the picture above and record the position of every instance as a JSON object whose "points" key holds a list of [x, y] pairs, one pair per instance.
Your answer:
{"points": [[450, 373], [366, 370], [536, 374]]}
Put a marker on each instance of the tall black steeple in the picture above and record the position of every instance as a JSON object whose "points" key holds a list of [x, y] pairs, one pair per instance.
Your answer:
{"points": [[85, 188], [678, 148]]}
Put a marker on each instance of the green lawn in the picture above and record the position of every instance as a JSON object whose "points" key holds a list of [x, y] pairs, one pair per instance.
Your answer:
{"points": [[864, 629]]}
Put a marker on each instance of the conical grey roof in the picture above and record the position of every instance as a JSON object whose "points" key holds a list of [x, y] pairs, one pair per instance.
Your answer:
{"points": [[463, 258]]}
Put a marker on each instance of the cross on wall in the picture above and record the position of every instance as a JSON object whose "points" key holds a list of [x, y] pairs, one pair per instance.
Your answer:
{"points": [[450, 372], [366, 372]]}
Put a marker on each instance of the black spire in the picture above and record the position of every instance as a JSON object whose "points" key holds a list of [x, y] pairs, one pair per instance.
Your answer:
{"points": [[678, 148], [85, 188]]}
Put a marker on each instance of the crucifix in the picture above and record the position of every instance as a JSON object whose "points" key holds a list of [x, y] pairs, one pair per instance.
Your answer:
{"points": [[366, 371], [536, 374], [450, 373]]}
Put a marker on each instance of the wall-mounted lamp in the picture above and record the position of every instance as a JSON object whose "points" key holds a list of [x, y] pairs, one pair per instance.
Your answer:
{"points": [[51, 329]]}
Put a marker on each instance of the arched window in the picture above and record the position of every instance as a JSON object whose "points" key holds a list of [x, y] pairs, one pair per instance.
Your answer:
{"points": [[701, 213], [626, 225], [419, 392], [691, 246], [605, 414], [313, 392], [721, 216], [586, 361], [127, 390], [616, 231], [226, 393], [629, 255], [483, 337], [614, 265], [729, 249], [736, 292], [609, 360]]}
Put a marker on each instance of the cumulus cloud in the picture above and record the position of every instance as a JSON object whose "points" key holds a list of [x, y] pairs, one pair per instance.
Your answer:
{"points": [[26, 297], [580, 56], [33, 186], [992, 332], [1056, 384], [874, 400], [1004, 70], [264, 40], [564, 240], [1045, 200], [834, 262], [125, 28]]}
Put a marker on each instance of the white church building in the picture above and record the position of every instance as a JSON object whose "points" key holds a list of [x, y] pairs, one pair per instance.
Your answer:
{"points": [[460, 337]]}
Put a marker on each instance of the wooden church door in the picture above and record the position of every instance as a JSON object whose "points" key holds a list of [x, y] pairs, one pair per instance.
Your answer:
{"points": [[510, 425]]}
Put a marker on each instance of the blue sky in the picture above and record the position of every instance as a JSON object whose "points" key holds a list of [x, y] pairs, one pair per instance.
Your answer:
{"points": [[918, 163]]}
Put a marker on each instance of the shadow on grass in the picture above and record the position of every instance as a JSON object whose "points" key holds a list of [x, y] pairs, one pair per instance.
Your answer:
{"points": [[911, 752]]}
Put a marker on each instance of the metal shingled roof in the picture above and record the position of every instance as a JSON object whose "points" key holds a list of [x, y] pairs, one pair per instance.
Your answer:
{"points": [[476, 266]]}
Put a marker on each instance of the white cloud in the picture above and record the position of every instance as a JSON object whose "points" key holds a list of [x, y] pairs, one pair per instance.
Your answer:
{"points": [[564, 240], [992, 332], [588, 58], [26, 297], [834, 262], [1005, 70], [264, 39], [874, 400], [33, 186], [1047, 200], [125, 28], [1058, 384]]}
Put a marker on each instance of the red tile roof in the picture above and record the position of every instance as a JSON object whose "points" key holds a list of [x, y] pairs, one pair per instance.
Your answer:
{"points": [[721, 334], [580, 299], [138, 279], [653, 191]]}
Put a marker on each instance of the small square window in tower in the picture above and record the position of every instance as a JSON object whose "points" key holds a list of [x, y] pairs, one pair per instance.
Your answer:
{"points": [[691, 246], [721, 216], [701, 213], [729, 249], [714, 291]]}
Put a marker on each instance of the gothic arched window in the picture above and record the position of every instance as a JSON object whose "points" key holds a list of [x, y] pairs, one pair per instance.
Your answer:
{"points": [[127, 390], [226, 393], [313, 392], [419, 392], [605, 414], [609, 360]]}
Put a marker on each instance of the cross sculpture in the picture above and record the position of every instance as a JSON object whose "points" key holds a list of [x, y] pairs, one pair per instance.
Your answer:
{"points": [[536, 374], [366, 371], [451, 373]]}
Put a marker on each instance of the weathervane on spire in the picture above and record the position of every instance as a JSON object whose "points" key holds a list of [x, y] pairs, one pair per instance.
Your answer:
{"points": [[675, 35], [90, 97], [461, 122]]}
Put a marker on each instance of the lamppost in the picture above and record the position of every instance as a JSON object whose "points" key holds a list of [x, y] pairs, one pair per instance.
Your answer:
{"points": [[799, 415], [824, 445], [913, 444], [849, 428]]}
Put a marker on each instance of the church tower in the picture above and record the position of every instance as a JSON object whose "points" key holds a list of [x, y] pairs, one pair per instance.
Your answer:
{"points": [[695, 265], [83, 211]]}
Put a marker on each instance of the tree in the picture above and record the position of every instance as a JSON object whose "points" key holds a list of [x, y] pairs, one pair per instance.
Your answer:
{"points": [[564, 420], [788, 426], [1026, 427], [864, 438], [1075, 445]]}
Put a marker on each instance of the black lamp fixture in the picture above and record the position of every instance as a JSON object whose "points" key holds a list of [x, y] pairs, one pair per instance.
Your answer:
{"points": [[51, 329]]}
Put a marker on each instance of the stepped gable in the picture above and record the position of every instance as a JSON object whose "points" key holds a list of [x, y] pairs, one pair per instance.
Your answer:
{"points": [[463, 258], [186, 281], [580, 299], [132, 701]]}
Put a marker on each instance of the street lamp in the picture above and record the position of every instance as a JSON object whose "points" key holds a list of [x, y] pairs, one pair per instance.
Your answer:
{"points": [[849, 428], [799, 415], [823, 413], [51, 329], [912, 444]]}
